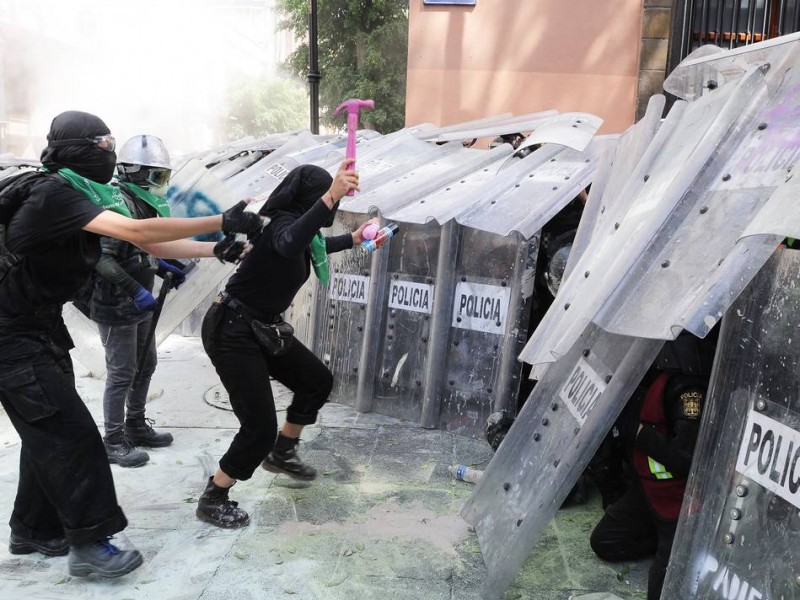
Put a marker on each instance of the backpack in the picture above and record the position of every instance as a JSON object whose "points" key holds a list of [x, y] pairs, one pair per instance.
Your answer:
{"points": [[9, 203]]}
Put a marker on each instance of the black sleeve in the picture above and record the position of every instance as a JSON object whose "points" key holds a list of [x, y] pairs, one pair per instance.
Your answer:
{"points": [[338, 243], [110, 270], [683, 404], [291, 237]]}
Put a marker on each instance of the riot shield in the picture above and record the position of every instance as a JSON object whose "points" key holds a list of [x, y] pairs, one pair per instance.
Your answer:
{"points": [[688, 150], [699, 278], [547, 448], [740, 523]]}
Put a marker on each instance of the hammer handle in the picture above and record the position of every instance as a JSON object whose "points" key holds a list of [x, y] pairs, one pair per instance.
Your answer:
{"points": [[352, 127]]}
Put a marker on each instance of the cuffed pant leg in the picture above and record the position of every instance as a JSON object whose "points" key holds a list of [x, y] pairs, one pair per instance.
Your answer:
{"points": [[307, 377], [244, 372], [63, 457]]}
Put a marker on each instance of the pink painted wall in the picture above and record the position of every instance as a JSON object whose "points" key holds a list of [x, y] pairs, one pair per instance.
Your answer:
{"points": [[522, 56]]}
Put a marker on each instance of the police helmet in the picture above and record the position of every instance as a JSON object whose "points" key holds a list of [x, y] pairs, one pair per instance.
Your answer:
{"points": [[144, 160]]}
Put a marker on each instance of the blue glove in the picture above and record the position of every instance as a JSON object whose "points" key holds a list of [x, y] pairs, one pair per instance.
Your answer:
{"points": [[144, 300], [178, 276]]}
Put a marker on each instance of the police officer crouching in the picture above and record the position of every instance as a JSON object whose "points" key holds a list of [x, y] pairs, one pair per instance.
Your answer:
{"points": [[657, 431]]}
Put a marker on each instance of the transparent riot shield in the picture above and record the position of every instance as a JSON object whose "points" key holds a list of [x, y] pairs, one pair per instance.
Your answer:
{"points": [[701, 279], [403, 338], [547, 448], [618, 159], [687, 154], [710, 67], [482, 329], [341, 311], [738, 534]]}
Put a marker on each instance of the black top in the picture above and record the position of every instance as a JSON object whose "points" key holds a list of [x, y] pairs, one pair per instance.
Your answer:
{"points": [[123, 269], [280, 262], [57, 256]]}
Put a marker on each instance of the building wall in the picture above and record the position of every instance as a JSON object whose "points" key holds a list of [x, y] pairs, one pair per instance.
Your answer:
{"points": [[522, 56], [656, 30]]}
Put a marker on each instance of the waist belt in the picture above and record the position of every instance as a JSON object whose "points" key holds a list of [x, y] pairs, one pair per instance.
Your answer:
{"points": [[245, 311]]}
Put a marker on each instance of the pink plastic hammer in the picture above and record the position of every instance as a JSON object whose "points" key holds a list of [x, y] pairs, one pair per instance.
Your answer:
{"points": [[353, 106]]}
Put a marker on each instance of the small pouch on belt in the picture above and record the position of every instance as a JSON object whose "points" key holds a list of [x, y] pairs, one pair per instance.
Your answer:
{"points": [[275, 338]]}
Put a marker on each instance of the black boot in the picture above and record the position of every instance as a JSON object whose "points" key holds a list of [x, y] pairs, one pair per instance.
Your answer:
{"points": [[103, 558], [122, 452], [141, 433], [215, 508], [18, 544], [284, 459]]}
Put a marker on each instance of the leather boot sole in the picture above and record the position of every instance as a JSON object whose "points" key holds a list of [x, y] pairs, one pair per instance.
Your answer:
{"points": [[273, 468], [31, 546], [85, 569], [149, 443], [225, 525]]}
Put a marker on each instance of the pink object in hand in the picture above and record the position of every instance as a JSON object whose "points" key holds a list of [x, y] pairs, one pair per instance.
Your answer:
{"points": [[369, 232], [353, 106]]}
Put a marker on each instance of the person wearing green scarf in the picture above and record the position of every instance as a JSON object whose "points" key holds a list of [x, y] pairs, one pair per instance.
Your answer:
{"points": [[120, 301], [279, 263], [66, 502]]}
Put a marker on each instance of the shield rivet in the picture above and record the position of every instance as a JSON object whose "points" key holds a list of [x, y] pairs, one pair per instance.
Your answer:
{"points": [[761, 405], [741, 490], [728, 538], [735, 514]]}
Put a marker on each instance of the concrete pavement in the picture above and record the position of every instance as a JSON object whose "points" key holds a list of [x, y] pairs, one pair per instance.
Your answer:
{"points": [[381, 522]]}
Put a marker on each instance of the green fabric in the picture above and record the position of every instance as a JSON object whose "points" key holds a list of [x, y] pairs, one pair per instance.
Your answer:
{"points": [[161, 206], [102, 194], [319, 259]]}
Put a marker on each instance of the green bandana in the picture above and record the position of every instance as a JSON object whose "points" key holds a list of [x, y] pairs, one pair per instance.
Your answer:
{"points": [[161, 206], [102, 194], [319, 259]]}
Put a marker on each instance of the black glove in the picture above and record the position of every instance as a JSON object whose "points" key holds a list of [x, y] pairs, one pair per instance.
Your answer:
{"points": [[235, 220], [228, 249]]}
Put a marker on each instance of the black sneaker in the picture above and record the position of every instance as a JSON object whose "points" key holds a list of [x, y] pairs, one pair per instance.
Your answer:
{"points": [[18, 544], [284, 460], [214, 507], [102, 558], [141, 433], [121, 452]]}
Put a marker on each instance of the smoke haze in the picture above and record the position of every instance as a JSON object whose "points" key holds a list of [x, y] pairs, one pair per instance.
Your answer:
{"points": [[143, 66]]}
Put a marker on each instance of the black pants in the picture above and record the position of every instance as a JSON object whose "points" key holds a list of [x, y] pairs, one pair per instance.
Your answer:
{"points": [[629, 531], [65, 484], [244, 369]]}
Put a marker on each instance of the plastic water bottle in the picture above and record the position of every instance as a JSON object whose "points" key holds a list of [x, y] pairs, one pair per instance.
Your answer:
{"points": [[384, 233], [370, 231], [465, 473]]}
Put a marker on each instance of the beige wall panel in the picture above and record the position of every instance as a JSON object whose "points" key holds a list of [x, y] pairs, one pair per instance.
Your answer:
{"points": [[521, 56], [456, 96]]}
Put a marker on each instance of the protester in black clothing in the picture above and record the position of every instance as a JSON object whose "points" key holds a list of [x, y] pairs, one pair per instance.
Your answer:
{"points": [[53, 222], [262, 288], [122, 303], [657, 431]]}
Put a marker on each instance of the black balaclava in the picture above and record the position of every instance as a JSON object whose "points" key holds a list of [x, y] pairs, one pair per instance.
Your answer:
{"points": [[83, 157], [298, 192]]}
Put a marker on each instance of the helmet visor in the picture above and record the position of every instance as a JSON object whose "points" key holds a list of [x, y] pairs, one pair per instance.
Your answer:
{"points": [[157, 176]]}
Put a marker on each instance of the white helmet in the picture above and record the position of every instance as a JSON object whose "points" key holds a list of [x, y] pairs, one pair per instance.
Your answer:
{"points": [[144, 160]]}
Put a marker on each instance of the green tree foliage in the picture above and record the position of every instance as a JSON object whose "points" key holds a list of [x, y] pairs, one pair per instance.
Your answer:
{"points": [[259, 107], [363, 49]]}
